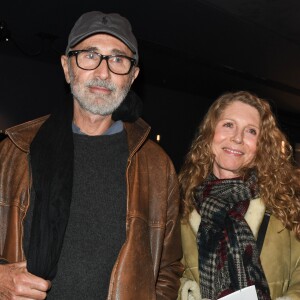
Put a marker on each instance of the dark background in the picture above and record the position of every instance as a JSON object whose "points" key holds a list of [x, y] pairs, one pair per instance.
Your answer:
{"points": [[191, 51]]}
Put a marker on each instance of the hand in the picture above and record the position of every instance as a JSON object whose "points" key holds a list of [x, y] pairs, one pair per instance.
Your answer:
{"points": [[17, 283]]}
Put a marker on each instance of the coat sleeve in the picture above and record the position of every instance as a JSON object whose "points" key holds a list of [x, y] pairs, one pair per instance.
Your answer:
{"points": [[282, 267], [293, 291], [171, 269], [189, 287]]}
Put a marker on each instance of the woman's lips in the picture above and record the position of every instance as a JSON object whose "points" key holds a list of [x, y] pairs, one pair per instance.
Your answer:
{"points": [[233, 151]]}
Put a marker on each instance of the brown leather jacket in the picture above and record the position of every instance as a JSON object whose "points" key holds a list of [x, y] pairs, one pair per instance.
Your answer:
{"points": [[148, 265]]}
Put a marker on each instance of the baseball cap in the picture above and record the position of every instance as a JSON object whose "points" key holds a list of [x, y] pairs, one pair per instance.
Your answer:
{"points": [[98, 22]]}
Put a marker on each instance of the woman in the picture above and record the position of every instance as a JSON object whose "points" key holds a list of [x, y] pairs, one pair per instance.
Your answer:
{"points": [[237, 173]]}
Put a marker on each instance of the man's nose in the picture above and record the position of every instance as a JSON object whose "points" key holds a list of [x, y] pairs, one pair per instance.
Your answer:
{"points": [[102, 71]]}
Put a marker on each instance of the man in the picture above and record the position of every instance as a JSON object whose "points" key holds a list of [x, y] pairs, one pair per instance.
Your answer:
{"points": [[89, 206]]}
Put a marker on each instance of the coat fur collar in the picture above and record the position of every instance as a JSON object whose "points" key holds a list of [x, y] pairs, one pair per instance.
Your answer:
{"points": [[253, 217]]}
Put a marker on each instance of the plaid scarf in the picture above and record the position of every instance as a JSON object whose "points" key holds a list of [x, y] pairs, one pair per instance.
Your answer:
{"points": [[228, 256]]}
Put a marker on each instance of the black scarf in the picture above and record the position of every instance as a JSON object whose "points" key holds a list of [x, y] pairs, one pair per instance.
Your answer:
{"points": [[51, 155], [51, 158], [228, 256]]}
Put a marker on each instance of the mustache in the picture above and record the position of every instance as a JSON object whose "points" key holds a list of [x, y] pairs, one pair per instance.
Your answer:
{"points": [[101, 83]]}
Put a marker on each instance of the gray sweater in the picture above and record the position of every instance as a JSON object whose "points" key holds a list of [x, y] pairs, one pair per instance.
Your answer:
{"points": [[97, 223]]}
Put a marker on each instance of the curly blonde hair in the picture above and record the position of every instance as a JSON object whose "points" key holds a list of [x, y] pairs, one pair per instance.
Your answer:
{"points": [[278, 177]]}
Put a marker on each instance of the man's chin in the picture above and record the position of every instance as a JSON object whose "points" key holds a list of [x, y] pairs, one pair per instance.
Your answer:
{"points": [[100, 110]]}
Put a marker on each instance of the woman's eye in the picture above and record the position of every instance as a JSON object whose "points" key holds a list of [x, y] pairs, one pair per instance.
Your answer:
{"points": [[228, 124], [252, 131]]}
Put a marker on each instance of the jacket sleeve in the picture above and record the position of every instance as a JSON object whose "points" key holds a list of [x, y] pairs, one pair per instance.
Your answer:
{"points": [[282, 267], [171, 269], [293, 291], [189, 283]]}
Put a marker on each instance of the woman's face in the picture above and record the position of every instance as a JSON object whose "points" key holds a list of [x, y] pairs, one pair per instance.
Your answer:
{"points": [[235, 139]]}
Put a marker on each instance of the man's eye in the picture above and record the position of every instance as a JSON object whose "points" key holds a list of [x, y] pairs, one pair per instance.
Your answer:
{"points": [[117, 59], [90, 55]]}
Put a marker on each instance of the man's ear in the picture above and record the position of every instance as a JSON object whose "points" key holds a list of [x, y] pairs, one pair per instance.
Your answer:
{"points": [[64, 63], [135, 74]]}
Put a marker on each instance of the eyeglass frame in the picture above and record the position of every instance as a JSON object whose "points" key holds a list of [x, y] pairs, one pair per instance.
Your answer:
{"points": [[102, 57]]}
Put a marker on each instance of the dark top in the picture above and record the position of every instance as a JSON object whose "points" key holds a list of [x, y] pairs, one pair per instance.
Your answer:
{"points": [[97, 223]]}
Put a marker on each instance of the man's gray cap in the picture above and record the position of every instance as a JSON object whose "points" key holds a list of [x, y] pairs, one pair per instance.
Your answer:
{"points": [[95, 22]]}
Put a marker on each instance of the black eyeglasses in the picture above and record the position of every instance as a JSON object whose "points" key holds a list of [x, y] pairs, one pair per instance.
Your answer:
{"points": [[91, 60]]}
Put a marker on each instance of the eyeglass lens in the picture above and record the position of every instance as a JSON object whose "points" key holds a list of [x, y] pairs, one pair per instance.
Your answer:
{"points": [[116, 63]]}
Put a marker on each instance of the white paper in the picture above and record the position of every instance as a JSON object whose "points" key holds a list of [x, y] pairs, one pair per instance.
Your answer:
{"points": [[248, 293]]}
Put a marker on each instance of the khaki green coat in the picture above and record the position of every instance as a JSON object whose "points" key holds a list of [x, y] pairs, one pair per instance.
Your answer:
{"points": [[280, 256]]}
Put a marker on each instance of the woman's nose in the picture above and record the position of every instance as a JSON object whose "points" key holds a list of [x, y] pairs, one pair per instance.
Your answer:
{"points": [[237, 137]]}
